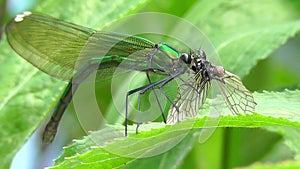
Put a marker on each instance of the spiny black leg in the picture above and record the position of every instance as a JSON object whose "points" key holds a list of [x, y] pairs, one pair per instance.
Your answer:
{"points": [[161, 84], [126, 114], [138, 114], [159, 105], [126, 109], [169, 99], [149, 56], [144, 89]]}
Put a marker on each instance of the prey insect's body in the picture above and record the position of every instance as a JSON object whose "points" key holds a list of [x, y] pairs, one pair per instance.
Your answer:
{"points": [[72, 52]]}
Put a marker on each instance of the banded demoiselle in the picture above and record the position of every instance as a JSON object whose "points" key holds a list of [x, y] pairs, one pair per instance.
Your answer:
{"points": [[71, 52]]}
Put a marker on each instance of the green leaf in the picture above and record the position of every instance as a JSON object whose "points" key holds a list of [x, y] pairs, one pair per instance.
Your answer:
{"points": [[119, 150], [279, 104], [291, 138], [281, 165], [111, 160], [27, 95]]}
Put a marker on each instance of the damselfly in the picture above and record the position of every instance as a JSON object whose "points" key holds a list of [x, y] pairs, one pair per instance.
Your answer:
{"points": [[71, 52]]}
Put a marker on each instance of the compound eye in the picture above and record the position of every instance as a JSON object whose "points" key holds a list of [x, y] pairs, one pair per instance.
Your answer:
{"points": [[202, 54], [186, 58]]}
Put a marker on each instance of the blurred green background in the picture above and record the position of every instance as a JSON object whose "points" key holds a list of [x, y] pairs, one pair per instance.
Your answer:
{"points": [[263, 33]]}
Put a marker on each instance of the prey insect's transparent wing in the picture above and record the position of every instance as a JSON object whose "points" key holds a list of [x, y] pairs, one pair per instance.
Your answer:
{"points": [[189, 99], [237, 97]]}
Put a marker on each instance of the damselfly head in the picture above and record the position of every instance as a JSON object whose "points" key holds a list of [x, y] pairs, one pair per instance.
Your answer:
{"points": [[186, 58]]}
